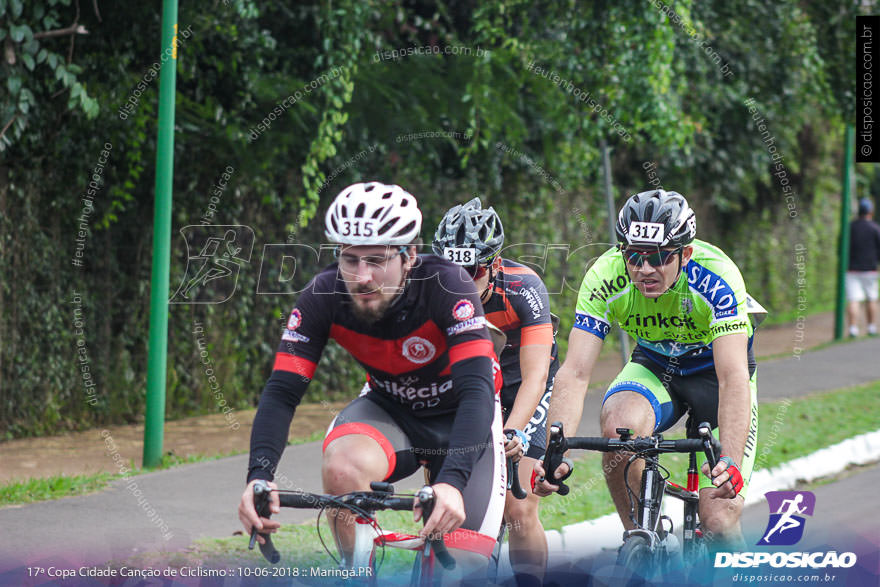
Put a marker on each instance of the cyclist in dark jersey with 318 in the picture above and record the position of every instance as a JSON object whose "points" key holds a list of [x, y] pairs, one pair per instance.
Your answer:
{"points": [[416, 325], [516, 301]]}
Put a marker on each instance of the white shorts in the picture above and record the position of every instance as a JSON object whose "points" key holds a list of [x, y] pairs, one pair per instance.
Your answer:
{"points": [[861, 285]]}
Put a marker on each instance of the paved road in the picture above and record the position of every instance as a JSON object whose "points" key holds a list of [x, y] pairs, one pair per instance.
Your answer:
{"points": [[200, 499]]}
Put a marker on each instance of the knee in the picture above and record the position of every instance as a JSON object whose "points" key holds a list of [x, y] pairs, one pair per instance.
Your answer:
{"points": [[638, 418], [521, 515], [719, 519], [350, 470]]}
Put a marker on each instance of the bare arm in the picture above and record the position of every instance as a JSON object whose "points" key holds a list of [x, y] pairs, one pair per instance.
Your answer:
{"points": [[573, 378], [734, 395], [534, 363]]}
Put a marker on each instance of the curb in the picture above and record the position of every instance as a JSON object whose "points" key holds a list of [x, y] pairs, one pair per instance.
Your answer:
{"points": [[590, 537]]}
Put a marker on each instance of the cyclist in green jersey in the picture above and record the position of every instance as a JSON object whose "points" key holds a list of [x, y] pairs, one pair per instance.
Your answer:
{"points": [[685, 303]]}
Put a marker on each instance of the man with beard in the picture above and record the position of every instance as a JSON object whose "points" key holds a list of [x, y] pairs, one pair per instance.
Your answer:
{"points": [[415, 323]]}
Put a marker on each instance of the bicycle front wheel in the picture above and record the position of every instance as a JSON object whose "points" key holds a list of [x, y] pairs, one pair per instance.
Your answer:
{"points": [[635, 560]]}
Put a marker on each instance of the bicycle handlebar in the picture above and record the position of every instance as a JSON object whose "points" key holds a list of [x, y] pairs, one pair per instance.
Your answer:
{"points": [[558, 444], [641, 445], [380, 498]]}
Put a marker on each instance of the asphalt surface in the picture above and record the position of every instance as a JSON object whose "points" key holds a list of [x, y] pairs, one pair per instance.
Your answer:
{"points": [[201, 499]]}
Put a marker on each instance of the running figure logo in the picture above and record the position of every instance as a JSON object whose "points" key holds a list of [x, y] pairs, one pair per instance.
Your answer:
{"points": [[212, 273], [786, 525]]}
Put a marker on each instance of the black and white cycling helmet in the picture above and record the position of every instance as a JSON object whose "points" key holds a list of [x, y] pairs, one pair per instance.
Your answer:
{"points": [[373, 214], [656, 218], [469, 235]]}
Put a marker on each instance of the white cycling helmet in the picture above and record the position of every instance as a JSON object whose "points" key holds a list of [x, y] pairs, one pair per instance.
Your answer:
{"points": [[373, 214]]}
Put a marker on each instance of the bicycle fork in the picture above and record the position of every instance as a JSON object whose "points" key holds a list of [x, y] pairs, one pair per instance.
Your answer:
{"points": [[648, 510], [690, 532]]}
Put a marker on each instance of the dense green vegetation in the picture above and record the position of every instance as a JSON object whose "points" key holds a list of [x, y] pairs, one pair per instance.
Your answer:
{"points": [[300, 99]]}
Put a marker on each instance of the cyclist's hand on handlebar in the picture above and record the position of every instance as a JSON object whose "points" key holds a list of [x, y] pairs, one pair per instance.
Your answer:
{"points": [[540, 485], [248, 514], [726, 477], [447, 515], [513, 448]]}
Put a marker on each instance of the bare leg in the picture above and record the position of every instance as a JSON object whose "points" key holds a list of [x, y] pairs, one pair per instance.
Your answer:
{"points": [[528, 543], [350, 463], [852, 316], [719, 520], [872, 317], [624, 409]]}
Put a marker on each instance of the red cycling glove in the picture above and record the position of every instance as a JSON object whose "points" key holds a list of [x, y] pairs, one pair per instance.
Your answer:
{"points": [[736, 478]]}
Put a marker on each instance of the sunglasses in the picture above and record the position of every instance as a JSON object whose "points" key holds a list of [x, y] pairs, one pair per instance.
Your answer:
{"points": [[476, 271], [653, 258]]}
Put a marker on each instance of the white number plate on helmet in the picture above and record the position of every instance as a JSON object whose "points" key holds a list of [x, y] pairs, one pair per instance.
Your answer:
{"points": [[359, 227], [651, 232], [461, 255]]}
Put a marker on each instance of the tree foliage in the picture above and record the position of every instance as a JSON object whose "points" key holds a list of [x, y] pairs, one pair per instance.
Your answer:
{"points": [[508, 99]]}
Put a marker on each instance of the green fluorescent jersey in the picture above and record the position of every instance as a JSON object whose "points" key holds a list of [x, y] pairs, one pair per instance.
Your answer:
{"points": [[675, 330]]}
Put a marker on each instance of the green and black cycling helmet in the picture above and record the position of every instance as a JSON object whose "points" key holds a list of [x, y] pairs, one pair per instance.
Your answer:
{"points": [[469, 226], [656, 218]]}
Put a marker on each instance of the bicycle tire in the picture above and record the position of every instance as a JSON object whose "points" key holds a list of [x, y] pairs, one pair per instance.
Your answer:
{"points": [[634, 560]]}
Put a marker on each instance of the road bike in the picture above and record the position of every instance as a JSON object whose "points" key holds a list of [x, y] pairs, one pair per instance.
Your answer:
{"points": [[370, 538], [650, 548]]}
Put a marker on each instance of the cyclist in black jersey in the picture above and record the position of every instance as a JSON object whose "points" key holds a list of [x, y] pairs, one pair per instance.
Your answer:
{"points": [[516, 301], [416, 325]]}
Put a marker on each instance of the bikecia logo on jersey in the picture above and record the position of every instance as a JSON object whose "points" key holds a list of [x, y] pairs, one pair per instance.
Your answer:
{"points": [[295, 319], [418, 350], [474, 323], [786, 525], [463, 310]]}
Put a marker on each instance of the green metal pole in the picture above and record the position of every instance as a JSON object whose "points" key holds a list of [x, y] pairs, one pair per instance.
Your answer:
{"points": [[154, 420], [612, 234], [843, 252]]}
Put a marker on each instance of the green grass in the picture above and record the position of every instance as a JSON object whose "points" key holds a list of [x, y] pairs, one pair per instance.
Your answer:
{"points": [[58, 486], [32, 490]]}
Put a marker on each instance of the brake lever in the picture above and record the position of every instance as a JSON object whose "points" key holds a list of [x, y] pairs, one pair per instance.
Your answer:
{"points": [[555, 456], [513, 484], [262, 498], [426, 499], [711, 445]]}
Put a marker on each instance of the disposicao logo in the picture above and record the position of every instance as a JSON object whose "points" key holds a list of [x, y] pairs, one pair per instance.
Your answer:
{"points": [[785, 528], [787, 510]]}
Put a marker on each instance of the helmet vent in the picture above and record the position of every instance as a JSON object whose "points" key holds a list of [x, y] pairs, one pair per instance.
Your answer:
{"points": [[405, 229]]}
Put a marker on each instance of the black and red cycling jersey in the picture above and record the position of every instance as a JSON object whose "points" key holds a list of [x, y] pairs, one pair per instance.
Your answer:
{"points": [[430, 353], [520, 307]]}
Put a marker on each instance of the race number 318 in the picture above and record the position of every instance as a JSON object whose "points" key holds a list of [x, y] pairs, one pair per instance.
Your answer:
{"points": [[460, 255]]}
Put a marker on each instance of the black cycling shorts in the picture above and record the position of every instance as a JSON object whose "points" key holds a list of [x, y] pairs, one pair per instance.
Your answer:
{"points": [[410, 442]]}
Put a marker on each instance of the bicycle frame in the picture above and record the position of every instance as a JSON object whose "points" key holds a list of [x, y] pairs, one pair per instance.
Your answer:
{"points": [[653, 489], [645, 513]]}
